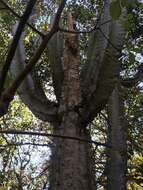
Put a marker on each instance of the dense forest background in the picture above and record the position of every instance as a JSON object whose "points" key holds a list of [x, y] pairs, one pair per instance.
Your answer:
{"points": [[115, 121]]}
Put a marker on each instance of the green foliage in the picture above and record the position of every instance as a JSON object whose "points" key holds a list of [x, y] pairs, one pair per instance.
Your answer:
{"points": [[19, 116], [136, 172]]}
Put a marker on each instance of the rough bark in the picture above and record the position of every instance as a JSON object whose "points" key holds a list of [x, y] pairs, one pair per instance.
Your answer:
{"points": [[70, 160], [117, 139]]}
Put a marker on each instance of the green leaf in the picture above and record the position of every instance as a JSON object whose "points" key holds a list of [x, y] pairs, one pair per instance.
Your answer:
{"points": [[115, 9]]}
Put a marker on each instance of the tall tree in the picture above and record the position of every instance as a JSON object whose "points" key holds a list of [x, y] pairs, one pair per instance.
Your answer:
{"points": [[80, 95]]}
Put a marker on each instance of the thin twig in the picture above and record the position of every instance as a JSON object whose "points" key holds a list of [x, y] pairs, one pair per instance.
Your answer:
{"points": [[17, 132], [24, 144]]}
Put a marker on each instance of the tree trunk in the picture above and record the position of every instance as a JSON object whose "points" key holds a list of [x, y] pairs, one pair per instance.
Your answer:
{"points": [[71, 167], [117, 138]]}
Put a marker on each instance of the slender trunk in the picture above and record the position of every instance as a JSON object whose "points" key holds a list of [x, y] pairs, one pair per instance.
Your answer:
{"points": [[117, 137]]}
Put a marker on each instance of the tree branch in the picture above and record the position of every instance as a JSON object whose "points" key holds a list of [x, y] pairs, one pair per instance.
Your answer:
{"points": [[15, 41], [24, 144], [107, 71], [55, 61], [95, 54], [31, 91], [12, 89]]}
